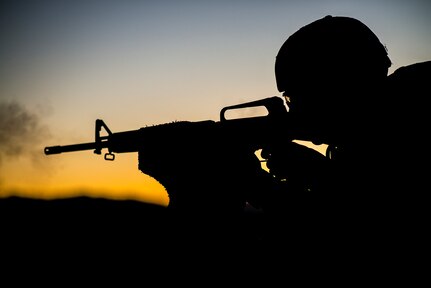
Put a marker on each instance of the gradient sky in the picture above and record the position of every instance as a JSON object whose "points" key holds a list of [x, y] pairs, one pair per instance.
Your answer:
{"points": [[63, 64]]}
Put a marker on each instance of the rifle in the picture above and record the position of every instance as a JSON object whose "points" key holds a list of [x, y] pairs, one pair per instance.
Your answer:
{"points": [[169, 151], [254, 132]]}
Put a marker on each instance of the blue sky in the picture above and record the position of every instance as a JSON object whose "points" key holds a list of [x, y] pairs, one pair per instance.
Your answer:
{"points": [[191, 55]]}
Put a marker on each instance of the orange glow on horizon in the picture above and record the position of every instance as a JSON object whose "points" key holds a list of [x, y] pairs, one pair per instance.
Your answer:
{"points": [[81, 174]]}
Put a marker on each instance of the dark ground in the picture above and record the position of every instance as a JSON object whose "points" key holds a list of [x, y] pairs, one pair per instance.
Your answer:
{"points": [[85, 241], [91, 230], [85, 238]]}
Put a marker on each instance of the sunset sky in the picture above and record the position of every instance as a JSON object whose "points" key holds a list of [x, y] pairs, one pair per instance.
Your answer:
{"points": [[63, 64]]}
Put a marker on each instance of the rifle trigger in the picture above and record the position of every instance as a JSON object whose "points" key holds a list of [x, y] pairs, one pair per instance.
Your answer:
{"points": [[109, 156]]}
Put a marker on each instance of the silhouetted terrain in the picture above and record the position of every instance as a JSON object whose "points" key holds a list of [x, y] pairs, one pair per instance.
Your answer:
{"points": [[101, 229]]}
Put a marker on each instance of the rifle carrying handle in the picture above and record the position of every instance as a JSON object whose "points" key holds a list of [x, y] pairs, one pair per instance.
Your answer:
{"points": [[274, 105]]}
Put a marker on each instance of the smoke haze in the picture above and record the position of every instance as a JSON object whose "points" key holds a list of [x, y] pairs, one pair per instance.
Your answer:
{"points": [[21, 132]]}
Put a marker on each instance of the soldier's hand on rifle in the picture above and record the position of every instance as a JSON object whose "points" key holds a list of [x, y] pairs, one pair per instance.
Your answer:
{"points": [[302, 168]]}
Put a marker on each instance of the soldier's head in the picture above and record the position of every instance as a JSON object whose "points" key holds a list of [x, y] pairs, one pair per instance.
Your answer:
{"points": [[326, 66]]}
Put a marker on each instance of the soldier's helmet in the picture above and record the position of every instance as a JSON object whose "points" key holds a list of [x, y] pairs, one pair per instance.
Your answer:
{"points": [[331, 50]]}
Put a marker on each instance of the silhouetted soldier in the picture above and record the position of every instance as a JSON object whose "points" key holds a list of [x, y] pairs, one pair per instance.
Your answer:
{"points": [[367, 197]]}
